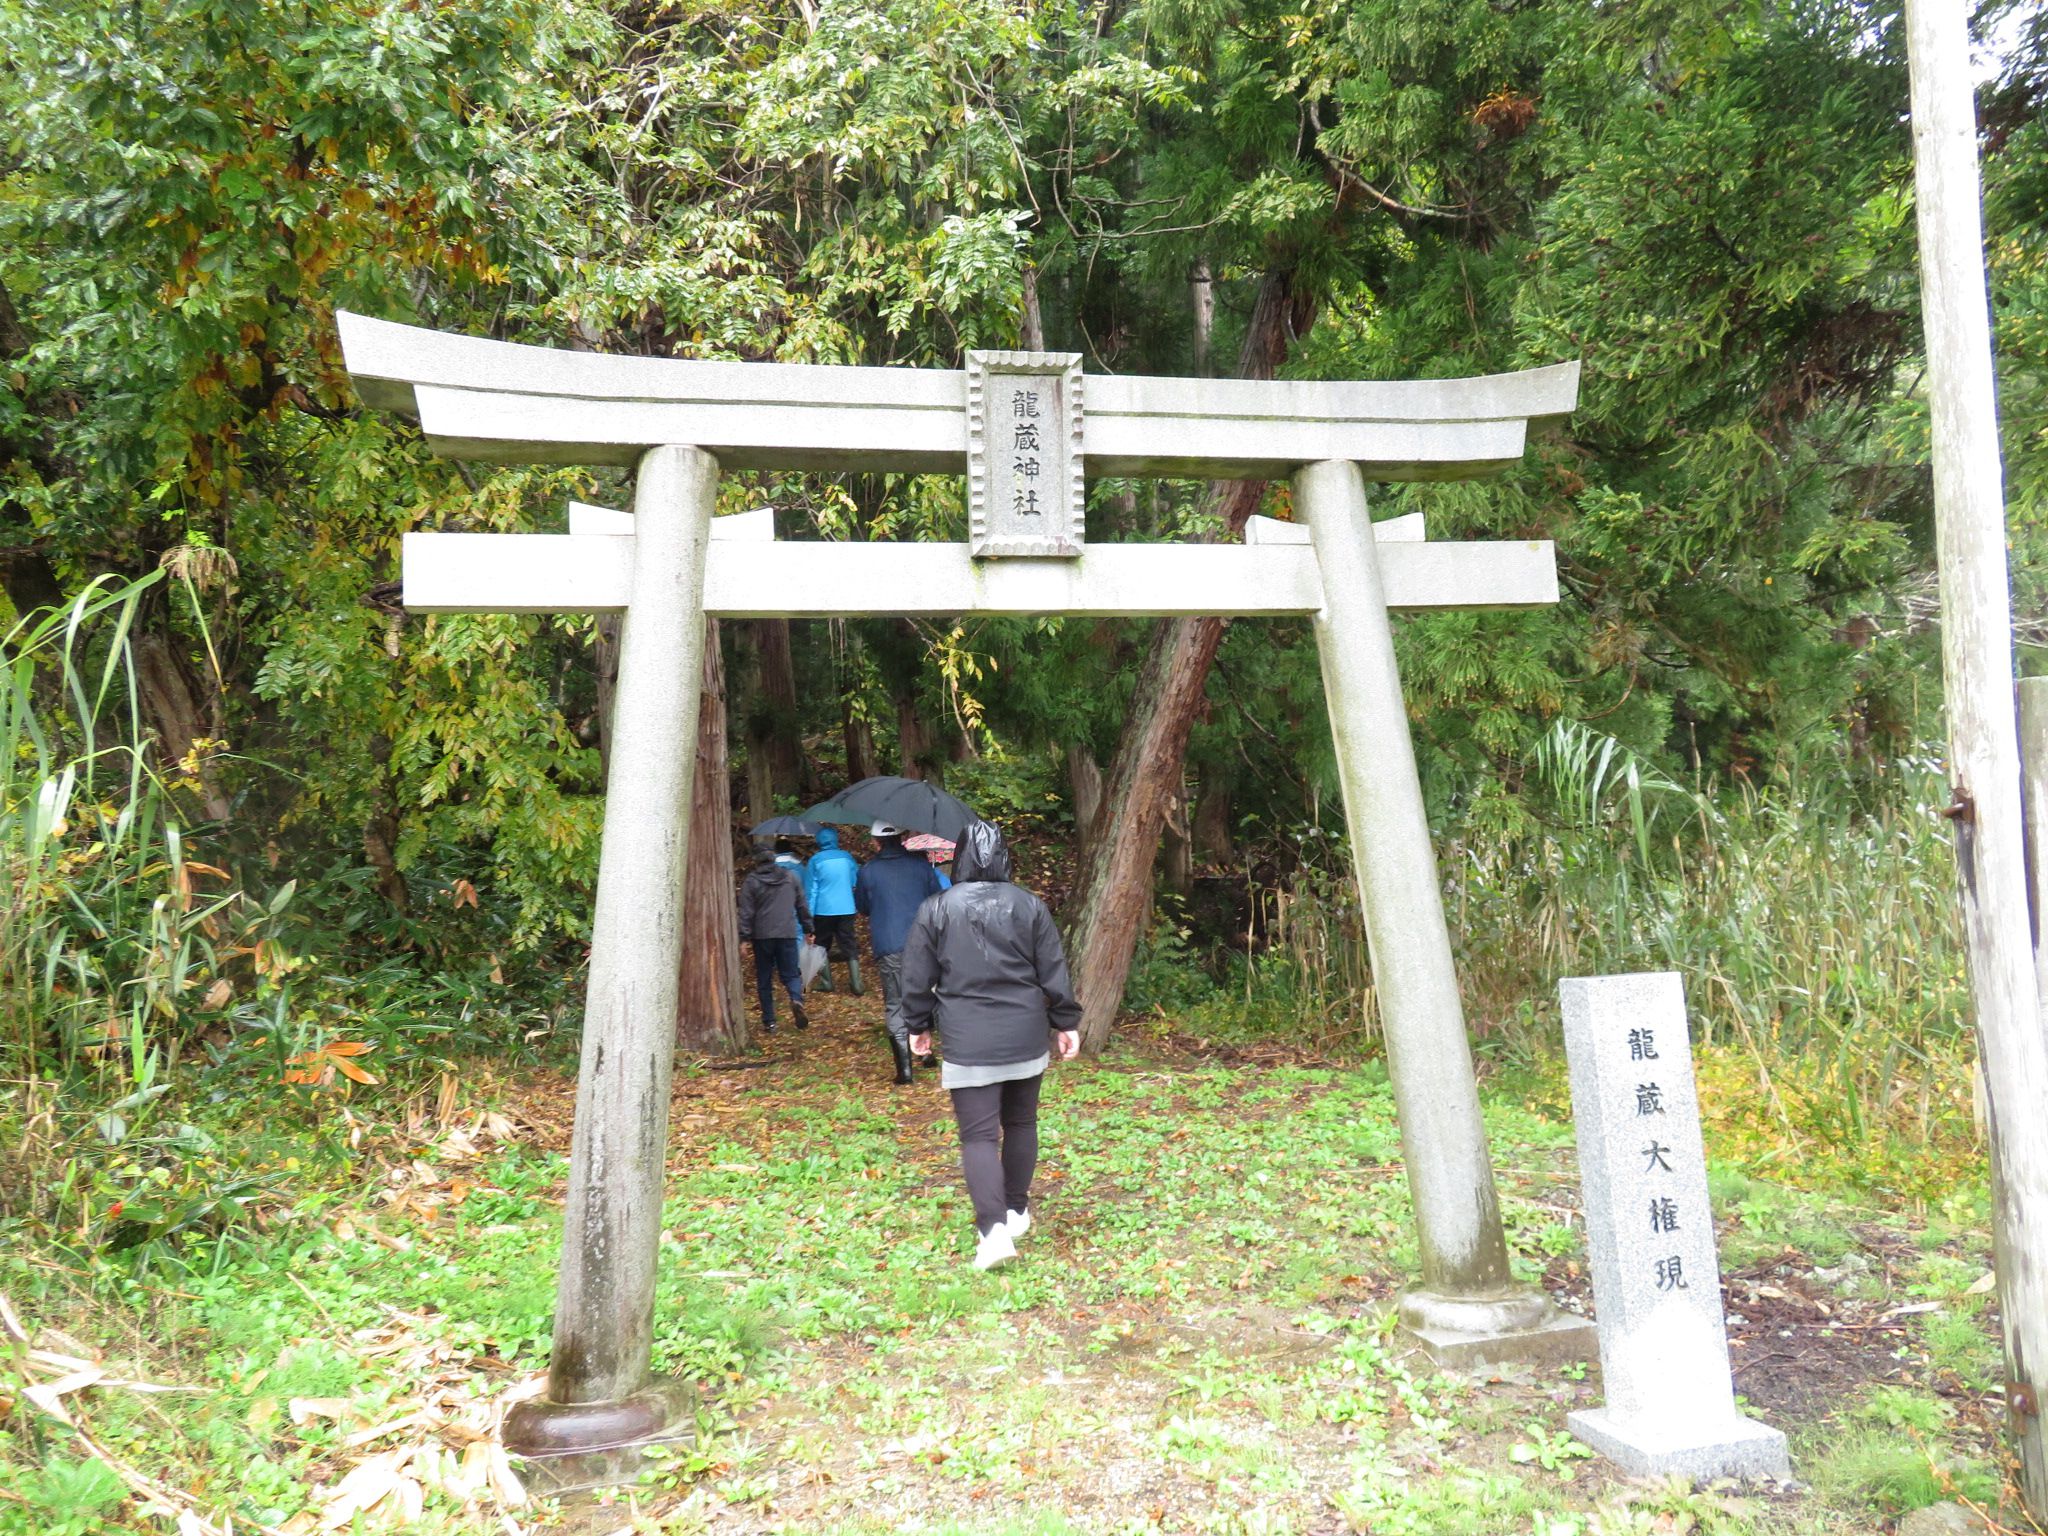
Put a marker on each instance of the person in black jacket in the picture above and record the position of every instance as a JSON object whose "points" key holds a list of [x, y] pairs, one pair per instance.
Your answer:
{"points": [[984, 967], [773, 913]]}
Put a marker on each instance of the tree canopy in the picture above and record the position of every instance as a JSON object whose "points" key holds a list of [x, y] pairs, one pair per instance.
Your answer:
{"points": [[1707, 202]]}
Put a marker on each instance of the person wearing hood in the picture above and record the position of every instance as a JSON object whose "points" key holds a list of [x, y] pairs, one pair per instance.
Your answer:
{"points": [[890, 889], [773, 914], [828, 886], [984, 968]]}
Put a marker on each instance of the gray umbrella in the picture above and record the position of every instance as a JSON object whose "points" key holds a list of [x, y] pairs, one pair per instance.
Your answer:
{"points": [[785, 826], [911, 804]]}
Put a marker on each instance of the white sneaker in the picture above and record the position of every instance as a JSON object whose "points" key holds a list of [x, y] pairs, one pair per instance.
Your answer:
{"points": [[994, 1249], [1017, 1223]]}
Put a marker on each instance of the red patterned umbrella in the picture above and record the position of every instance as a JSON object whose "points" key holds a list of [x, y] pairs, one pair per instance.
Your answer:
{"points": [[929, 842]]}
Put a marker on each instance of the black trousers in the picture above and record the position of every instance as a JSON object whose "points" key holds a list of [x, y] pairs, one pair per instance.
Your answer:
{"points": [[774, 957], [998, 1170], [834, 934]]}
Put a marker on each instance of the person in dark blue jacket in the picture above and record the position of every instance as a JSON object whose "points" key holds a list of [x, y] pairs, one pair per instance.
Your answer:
{"points": [[891, 887], [828, 886]]}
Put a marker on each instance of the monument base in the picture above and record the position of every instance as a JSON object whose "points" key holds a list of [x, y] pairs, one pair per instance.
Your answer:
{"points": [[572, 1447], [1463, 1333], [1720, 1445]]}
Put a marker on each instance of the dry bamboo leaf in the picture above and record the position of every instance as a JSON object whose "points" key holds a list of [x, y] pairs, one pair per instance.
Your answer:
{"points": [[366, 1486], [377, 1432], [304, 1410], [352, 1072], [49, 1395], [505, 1482], [71, 1365], [411, 1500]]}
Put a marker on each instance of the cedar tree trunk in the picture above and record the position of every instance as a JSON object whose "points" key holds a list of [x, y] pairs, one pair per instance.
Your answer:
{"points": [[710, 1011], [1084, 782], [777, 702], [1212, 818], [1113, 888], [180, 715], [862, 761], [917, 748], [767, 685]]}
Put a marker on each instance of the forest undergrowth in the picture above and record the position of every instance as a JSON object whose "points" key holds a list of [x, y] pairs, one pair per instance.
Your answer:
{"points": [[281, 1199], [1195, 1339]]}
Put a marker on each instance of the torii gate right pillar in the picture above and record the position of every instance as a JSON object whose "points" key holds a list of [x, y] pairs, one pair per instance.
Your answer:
{"points": [[1468, 1312]]}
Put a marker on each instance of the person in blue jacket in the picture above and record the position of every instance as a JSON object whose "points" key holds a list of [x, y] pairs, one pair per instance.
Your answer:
{"points": [[828, 886], [891, 887]]}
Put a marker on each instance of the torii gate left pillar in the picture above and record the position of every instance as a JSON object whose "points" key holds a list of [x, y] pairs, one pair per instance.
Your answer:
{"points": [[670, 569], [601, 1394]]}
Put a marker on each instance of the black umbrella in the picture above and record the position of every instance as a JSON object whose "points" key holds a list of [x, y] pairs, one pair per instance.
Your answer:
{"points": [[911, 804], [785, 826]]}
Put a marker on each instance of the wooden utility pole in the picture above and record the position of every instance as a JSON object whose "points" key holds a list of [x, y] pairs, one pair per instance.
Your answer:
{"points": [[1983, 733], [2034, 768]]}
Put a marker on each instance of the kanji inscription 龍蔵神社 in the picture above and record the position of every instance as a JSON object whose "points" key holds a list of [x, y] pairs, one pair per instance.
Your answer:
{"points": [[1024, 482]]}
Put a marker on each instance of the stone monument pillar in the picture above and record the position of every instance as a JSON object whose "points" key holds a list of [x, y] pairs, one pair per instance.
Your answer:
{"points": [[1656, 1278]]}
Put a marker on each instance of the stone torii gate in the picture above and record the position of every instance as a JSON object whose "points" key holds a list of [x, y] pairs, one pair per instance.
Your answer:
{"points": [[1014, 423]]}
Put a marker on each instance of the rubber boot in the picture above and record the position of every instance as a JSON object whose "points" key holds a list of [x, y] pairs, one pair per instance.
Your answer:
{"points": [[853, 981], [902, 1051]]}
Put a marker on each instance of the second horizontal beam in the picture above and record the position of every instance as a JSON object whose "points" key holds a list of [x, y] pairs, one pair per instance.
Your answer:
{"points": [[583, 573]]}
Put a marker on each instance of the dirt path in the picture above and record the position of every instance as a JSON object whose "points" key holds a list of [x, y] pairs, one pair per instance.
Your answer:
{"points": [[1193, 1338]]}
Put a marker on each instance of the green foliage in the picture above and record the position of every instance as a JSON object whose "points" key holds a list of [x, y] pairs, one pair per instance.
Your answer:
{"points": [[120, 946], [1707, 206], [65, 1498], [1890, 1469], [1167, 975]]}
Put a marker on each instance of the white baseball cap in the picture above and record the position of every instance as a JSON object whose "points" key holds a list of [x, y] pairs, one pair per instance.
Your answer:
{"points": [[883, 829]]}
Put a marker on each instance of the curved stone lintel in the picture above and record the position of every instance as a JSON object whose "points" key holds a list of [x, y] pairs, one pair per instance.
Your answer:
{"points": [[506, 402]]}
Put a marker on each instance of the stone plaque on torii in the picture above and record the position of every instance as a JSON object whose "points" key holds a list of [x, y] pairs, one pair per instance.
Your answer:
{"points": [[1015, 424]]}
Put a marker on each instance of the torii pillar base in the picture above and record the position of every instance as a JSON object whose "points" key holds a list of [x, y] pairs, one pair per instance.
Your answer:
{"points": [[1464, 1333], [575, 1447]]}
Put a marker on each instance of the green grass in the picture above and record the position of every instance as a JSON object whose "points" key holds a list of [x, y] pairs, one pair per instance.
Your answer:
{"points": [[1194, 1339]]}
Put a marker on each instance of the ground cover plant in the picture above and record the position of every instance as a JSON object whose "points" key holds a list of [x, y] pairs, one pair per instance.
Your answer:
{"points": [[1195, 1339]]}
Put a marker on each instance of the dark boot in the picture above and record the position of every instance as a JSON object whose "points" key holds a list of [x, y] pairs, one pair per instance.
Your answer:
{"points": [[853, 981], [803, 1019], [902, 1051]]}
